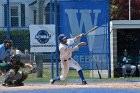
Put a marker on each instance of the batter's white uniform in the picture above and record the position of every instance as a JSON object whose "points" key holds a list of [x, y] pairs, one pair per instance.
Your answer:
{"points": [[66, 60]]}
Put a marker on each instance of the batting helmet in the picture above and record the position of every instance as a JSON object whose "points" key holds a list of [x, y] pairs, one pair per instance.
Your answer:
{"points": [[15, 58], [62, 37]]}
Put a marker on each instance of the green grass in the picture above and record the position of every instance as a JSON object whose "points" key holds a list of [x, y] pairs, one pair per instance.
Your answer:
{"points": [[71, 75], [47, 76]]}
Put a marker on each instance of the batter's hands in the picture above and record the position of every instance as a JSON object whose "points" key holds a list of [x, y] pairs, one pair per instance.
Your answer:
{"points": [[77, 37], [81, 44], [82, 34]]}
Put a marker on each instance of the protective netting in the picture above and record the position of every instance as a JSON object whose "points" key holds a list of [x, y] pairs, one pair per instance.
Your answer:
{"points": [[14, 24], [79, 17], [15, 18]]}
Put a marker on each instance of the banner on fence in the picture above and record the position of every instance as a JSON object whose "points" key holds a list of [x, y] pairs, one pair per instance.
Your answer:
{"points": [[42, 38], [80, 17]]}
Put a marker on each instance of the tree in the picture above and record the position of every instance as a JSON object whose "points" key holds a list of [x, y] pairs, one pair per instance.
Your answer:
{"points": [[120, 9], [135, 9]]}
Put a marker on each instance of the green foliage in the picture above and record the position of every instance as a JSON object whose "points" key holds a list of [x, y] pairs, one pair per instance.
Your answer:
{"points": [[119, 9], [2, 36], [20, 38]]}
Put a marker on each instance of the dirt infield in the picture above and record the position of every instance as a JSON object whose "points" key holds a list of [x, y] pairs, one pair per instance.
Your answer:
{"points": [[112, 85]]}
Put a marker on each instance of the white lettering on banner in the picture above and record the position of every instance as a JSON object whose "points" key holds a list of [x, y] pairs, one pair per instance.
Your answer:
{"points": [[82, 58], [85, 21], [90, 58], [96, 12], [43, 46], [42, 38]]}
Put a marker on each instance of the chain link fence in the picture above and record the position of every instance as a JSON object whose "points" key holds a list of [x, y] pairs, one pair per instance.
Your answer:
{"points": [[79, 16], [15, 18]]}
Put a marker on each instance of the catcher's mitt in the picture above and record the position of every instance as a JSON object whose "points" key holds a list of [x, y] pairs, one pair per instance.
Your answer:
{"points": [[33, 70]]}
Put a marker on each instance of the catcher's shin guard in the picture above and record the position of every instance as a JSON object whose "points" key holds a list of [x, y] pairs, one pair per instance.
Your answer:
{"points": [[8, 77], [19, 81], [24, 76]]}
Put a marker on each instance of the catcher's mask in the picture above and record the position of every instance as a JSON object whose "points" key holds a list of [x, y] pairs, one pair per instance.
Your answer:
{"points": [[15, 58]]}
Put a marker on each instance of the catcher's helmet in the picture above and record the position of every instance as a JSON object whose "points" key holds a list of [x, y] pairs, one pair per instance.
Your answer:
{"points": [[15, 58], [62, 37]]}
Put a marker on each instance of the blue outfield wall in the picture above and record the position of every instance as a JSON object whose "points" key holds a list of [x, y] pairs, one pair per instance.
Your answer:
{"points": [[78, 17]]}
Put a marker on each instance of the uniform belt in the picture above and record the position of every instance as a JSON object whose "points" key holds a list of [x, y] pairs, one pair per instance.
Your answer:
{"points": [[67, 59]]}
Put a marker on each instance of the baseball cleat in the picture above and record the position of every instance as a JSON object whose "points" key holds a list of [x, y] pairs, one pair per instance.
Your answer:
{"points": [[52, 81], [84, 82], [16, 83], [8, 84], [20, 84], [3, 84]]}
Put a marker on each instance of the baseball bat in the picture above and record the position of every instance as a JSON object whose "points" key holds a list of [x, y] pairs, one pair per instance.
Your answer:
{"points": [[98, 71], [93, 29]]}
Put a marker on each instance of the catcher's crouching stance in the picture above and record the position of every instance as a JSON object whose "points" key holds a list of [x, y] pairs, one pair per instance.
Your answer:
{"points": [[67, 61], [11, 74]]}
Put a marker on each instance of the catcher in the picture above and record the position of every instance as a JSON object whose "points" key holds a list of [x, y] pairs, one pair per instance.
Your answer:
{"points": [[67, 61], [11, 74]]}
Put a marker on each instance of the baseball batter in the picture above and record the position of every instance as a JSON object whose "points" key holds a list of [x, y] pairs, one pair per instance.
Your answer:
{"points": [[66, 48]]}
